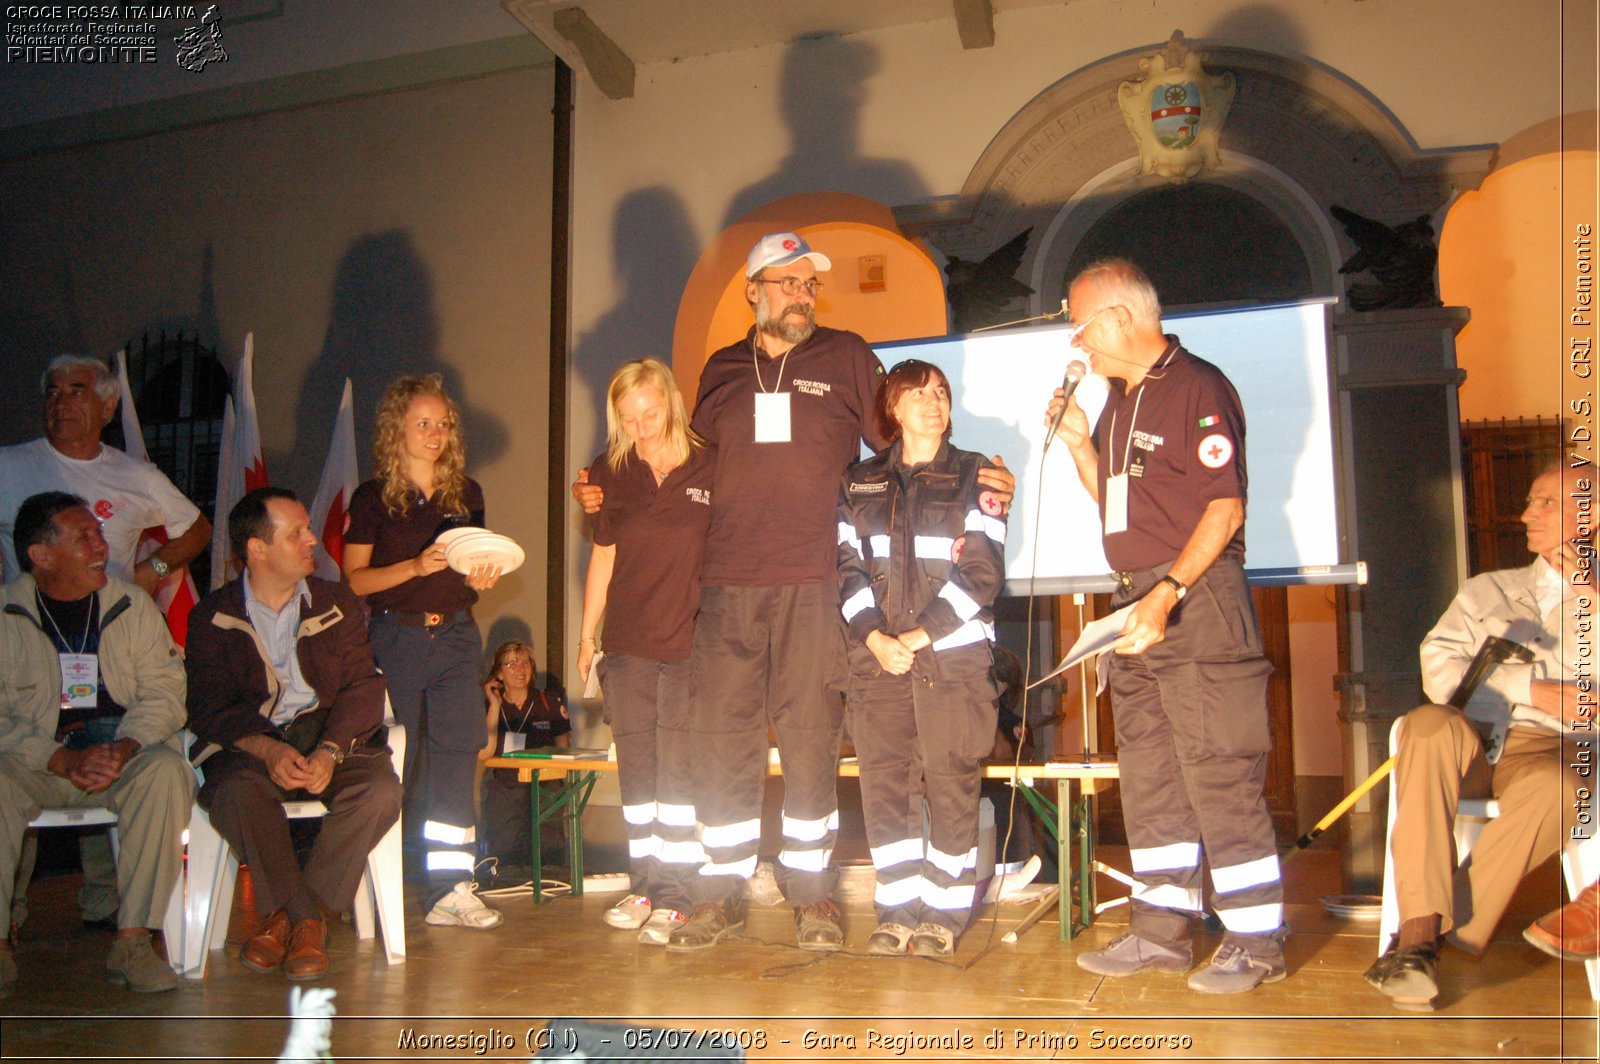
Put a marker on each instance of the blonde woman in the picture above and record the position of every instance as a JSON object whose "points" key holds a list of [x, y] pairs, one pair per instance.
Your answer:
{"points": [[644, 577], [422, 629]]}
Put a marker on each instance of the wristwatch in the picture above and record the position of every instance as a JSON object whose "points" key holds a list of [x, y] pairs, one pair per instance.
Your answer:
{"points": [[1177, 585], [335, 749], [160, 567]]}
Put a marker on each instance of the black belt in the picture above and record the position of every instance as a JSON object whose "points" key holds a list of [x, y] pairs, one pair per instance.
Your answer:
{"points": [[426, 618], [1129, 579]]}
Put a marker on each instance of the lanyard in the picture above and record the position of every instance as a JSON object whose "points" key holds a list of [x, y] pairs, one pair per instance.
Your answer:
{"points": [[1133, 422], [88, 624], [755, 358]]}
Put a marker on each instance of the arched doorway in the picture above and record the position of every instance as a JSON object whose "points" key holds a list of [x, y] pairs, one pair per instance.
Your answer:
{"points": [[1258, 226]]}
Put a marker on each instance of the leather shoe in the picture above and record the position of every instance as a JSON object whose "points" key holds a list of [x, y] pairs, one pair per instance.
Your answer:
{"points": [[818, 926], [264, 953], [307, 959], [708, 926], [1572, 932]]}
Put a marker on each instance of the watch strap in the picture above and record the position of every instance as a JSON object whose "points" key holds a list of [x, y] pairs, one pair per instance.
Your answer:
{"points": [[1177, 585]]}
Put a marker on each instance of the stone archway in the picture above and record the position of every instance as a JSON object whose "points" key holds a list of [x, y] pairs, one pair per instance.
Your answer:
{"points": [[1299, 139]]}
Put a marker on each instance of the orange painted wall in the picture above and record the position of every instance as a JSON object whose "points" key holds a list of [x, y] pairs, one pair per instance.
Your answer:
{"points": [[1504, 252], [713, 312]]}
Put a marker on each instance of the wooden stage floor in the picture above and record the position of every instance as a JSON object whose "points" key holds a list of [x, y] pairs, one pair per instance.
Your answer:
{"points": [[1029, 999]]}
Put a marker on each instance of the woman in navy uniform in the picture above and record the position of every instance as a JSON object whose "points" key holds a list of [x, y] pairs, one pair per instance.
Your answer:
{"points": [[921, 560], [422, 630]]}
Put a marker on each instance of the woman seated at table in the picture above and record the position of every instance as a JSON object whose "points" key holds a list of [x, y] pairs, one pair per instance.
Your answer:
{"points": [[520, 717], [921, 559]]}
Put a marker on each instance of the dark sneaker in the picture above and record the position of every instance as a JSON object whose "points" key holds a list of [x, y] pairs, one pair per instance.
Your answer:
{"points": [[1234, 969], [1128, 953], [1409, 977], [708, 926], [818, 926]]}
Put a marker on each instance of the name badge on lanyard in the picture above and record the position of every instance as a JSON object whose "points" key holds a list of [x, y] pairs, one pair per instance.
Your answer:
{"points": [[1116, 504], [772, 417], [80, 681]]}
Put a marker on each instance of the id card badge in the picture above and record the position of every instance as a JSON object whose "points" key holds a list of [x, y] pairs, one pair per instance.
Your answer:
{"points": [[80, 681], [1116, 504], [515, 740], [772, 417]]}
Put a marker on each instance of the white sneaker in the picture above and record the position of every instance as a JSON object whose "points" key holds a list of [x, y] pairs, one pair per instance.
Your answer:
{"points": [[629, 913], [660, 926], [465, 909]]}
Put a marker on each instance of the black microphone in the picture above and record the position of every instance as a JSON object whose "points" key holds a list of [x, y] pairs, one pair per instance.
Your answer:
{"points": [[1069, 384]]}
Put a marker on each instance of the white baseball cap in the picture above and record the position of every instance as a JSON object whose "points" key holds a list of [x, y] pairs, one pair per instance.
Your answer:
{"points": [[780, 249]]}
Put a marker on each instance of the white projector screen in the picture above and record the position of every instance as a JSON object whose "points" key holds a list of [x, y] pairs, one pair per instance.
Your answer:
{"points": [[1277, 358]]}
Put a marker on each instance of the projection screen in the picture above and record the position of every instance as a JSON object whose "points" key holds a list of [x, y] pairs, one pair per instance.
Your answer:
{"points": [[1277, 358]]}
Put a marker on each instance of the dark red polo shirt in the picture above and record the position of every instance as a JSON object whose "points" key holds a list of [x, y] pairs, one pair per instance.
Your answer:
{"points": [[772, 519], [1180, 437], [660, 536], [398, 539]]}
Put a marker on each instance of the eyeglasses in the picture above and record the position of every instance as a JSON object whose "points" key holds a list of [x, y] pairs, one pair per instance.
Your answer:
{"points": [[793, 286], [1078, 327]]}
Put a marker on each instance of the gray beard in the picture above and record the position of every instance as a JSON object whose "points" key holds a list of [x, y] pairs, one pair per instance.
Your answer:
{"points": [[780, 328]]}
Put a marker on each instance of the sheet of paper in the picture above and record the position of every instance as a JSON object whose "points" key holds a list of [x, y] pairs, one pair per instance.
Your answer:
{"points": [[591, 689], [1096, 636]]}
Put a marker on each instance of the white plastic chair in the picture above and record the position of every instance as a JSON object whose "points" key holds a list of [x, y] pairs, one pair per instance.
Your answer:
{"points": [[1580, 860], [172, 927], [213, 870]]}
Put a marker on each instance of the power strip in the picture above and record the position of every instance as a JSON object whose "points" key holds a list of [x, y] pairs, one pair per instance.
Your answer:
{"points": [[606, 883]]}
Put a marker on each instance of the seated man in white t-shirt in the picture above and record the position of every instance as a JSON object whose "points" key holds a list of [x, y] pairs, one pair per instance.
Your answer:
{"points": [[127, 495]]}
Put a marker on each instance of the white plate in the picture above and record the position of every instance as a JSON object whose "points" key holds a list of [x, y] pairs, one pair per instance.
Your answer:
{"points": [[1354, 906], [467, 553], [450, 535]]}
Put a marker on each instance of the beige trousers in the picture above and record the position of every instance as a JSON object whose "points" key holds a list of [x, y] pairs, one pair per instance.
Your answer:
{"points": [[1441, 760], [152, 801]]}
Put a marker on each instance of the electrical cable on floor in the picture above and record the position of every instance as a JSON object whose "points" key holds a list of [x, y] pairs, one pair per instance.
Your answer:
{"points": [[1064, 904]]}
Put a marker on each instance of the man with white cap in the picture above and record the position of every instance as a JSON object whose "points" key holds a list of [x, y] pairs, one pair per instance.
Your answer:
{"points": [[787, 407]]}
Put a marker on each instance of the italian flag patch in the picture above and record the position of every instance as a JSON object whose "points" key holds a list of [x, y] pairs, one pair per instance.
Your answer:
{"points": [[1207, 422]]}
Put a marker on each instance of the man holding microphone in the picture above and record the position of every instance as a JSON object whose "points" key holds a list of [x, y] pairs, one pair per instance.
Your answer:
{"points": [[1188, 678]]}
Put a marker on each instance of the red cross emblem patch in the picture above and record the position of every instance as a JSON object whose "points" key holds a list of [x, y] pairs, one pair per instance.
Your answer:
{"points": [[103, 510], [1215, 451]]}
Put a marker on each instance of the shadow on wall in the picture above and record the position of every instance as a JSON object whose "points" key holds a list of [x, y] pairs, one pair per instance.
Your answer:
{"points": [[653, 250], [823, 90], [383, 324]]}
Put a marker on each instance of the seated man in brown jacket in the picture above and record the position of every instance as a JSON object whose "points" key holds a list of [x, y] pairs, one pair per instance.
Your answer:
{"points": [[285, 702]]}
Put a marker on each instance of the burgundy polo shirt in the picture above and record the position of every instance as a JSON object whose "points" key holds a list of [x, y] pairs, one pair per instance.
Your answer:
{"points": [[1180, 438], [772, 520], [398, 539], [660, 535]]}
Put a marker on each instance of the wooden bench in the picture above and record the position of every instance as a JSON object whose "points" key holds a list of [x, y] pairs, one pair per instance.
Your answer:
{"points": [[1068, 816]]}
